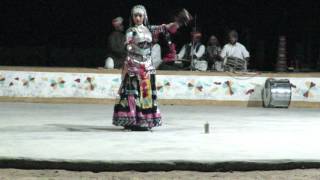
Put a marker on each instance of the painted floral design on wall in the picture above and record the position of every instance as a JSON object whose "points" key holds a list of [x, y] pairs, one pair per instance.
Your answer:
{"points": [[2, 79], [309, 85], [90, 85]]}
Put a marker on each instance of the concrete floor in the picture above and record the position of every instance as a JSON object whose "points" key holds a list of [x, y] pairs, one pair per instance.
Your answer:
{"points": [[297, 174], [82, 132]]}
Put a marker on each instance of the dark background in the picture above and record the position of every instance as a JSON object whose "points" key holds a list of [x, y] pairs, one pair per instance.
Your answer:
{"points": [[74, 32]]}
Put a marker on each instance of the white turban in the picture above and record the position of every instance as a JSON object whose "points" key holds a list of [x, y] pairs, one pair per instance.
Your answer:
{"points": [[117, 21]]}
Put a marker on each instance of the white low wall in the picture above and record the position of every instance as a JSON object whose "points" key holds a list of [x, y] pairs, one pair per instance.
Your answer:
{"points": [[188, 87]]}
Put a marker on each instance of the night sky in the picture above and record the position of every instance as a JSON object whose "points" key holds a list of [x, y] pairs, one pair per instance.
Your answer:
{"points": [[83, 24]]}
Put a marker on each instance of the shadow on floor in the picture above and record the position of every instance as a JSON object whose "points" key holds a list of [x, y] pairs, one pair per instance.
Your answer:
{"points": [[86, 128], [253, 101]]}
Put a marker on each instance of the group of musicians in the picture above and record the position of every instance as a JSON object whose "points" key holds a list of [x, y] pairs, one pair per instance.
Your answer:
{"points": [[194, 55]]}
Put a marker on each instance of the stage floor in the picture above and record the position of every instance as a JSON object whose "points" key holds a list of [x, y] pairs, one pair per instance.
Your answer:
{"points": [[82, 132]]}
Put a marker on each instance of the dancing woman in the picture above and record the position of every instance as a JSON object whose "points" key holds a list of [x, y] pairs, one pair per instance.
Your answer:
{"points": [[137, 109]]}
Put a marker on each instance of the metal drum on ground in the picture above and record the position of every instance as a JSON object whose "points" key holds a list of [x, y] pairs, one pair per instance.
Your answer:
{"points": [[277, 93]]}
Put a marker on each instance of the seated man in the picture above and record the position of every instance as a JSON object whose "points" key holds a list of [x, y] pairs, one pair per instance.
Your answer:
{"points": [[117, 52], [192, 51], [156, 53], [213, 54], [234, 50]]}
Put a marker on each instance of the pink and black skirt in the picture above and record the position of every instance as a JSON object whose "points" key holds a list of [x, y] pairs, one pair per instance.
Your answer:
{"points": [[137, 104]]}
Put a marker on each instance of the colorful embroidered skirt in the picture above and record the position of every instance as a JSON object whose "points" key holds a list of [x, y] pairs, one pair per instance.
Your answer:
{"points": [[138, 103]]}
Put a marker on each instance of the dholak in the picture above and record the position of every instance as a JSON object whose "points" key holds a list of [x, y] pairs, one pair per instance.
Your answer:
{"points": [[218, 66], [200, 65], [234, 64], [276, 93]]}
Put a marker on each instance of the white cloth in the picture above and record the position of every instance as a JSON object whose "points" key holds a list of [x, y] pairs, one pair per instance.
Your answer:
{"points": [[156, 55], [237, 50], [109, 63], [198, 54], [139, 9]]}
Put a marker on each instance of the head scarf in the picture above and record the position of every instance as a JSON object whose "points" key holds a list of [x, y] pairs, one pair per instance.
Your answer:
{"points": [[139, 9]]}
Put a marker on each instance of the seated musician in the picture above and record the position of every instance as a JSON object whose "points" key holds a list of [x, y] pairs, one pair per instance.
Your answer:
{"points": [[213, 54], [234, 49], [192, 51], [156, 52], [117, 52]]}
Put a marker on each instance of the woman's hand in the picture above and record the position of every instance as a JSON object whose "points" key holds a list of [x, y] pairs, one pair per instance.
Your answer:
{"points": [[172, 27]]}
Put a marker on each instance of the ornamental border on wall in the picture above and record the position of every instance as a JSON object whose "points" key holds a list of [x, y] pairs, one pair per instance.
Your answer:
{"points": [[91, 85]]}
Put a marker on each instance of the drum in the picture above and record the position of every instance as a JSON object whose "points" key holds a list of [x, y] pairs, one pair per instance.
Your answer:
{"points": [[218, 66], [234, 64], [183, 17], [200, 65], [276, 93]]}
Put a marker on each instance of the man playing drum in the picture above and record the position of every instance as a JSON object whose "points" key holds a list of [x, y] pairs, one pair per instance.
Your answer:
{"points": [[235, 50]]}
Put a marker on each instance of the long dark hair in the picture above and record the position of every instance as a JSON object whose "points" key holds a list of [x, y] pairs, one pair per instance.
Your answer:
{"points": [[209, 44]]}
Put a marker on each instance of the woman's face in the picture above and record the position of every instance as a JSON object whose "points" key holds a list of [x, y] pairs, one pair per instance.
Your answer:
{"points": [[213, 40], [138, 19]]}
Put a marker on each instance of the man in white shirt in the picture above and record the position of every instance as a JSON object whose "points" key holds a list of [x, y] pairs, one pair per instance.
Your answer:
{"points": [[234, 49], [193, 50], [156, 53]]}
